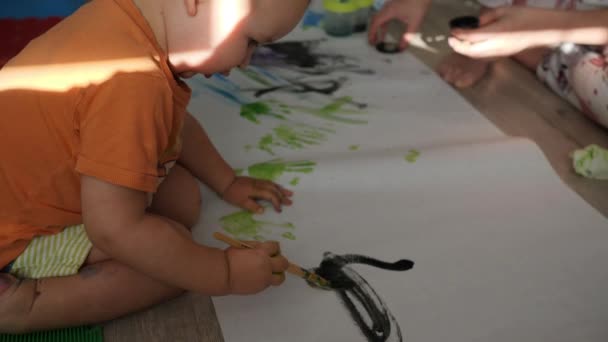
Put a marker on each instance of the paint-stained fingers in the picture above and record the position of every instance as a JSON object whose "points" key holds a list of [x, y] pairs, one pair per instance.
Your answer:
{"points": [[286, 192], [269, 192], [252, 206]]}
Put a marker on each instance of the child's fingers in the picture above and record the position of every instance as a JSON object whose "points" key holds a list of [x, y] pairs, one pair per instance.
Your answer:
{"points": [[472, 36], [286, 192], [277, 279], [272, 249], [252, 206], [270, 191], [485, 49], [279, 264]]}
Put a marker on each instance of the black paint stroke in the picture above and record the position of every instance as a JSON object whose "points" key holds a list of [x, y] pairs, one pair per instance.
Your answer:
{"points": [[301, 56], [325, 87], [379, 325]]}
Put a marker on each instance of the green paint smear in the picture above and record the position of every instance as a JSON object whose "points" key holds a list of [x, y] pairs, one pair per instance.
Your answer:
{"points": [[293, 137], [289, 236], [334, 111], [412, 156], [273, 170], [295, 181], [353, 147], [238, 172], [252, 111], [242, 225]]}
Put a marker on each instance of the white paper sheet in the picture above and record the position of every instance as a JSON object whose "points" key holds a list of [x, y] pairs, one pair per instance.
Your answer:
{"points": [[503, 250]]}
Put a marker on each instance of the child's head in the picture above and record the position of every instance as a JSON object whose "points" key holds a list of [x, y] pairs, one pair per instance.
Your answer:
{"points": [[224, 33]]}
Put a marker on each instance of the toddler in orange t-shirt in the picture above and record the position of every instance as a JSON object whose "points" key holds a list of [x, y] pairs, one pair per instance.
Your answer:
{"points": [[101, 161]]}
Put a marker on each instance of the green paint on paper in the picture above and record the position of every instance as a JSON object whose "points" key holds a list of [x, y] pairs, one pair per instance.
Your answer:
{"points": [[295, 181], [412, 156], [293, 137], [353, 147], [273, 170], [252, 111], [334, 111], [289, 236], [242, 225]]}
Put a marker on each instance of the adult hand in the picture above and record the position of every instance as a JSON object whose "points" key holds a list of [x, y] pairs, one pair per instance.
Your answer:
{"points": [[411, 12]]}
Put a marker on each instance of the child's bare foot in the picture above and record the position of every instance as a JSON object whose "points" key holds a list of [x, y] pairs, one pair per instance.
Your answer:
{"points": [[462, 71]]}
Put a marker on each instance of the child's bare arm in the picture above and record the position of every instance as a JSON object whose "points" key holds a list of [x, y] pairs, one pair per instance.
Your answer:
{"points": [[506, 31], [116, 222], [201, 158]]}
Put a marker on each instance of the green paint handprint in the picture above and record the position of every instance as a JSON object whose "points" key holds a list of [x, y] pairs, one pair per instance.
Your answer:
{"points": [[334, 111], [243, 226], [273, 170], [251, 111], [293, 137]]}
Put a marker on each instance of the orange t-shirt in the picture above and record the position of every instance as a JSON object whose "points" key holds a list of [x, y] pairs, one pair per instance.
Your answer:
{"points": [[95, 96]]}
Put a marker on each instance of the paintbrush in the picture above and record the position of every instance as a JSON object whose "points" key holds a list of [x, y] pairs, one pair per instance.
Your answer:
{"points": [[311, 277]]}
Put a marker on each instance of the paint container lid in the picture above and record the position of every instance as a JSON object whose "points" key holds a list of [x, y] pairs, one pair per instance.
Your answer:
{"points": [[340, 6], [364, 3], [466, 22]]}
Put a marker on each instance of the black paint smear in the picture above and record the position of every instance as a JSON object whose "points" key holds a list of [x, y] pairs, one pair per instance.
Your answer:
{"points": [[301, 55], [325, 87], [380, 325]]}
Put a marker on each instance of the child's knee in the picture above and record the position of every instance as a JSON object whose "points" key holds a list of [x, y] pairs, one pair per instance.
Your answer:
{"points": [[16, 303]]}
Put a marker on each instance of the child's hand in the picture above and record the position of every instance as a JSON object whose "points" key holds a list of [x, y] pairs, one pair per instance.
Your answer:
{"points": [[253, 270], [506, 31], [411, 12], [243, 191]]}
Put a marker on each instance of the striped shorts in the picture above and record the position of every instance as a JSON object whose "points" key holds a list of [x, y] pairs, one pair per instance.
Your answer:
{"points": [[54, 255]]}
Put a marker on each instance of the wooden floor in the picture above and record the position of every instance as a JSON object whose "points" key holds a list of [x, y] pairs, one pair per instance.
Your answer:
{"points": [[510, 97]]}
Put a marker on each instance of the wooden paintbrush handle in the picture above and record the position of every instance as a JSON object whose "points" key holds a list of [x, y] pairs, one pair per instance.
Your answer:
{"points": [[230, 241]]}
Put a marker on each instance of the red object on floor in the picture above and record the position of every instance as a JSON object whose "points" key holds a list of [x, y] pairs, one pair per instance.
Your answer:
{"points": [[15, 34]]}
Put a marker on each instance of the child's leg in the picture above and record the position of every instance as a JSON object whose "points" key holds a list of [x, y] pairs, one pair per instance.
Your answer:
{"points": [[462, 71], [579, 75], [98, 293], [102, 290]]}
